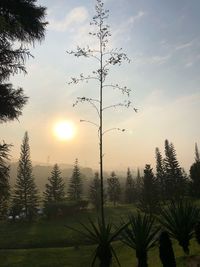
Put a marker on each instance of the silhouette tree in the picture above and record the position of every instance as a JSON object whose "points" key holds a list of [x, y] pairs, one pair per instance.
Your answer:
{"points": [[160, 175], [175, 182], [21, 23], [55, 188], [25, 191], [148, 201], [129, 188], [94, 191], [195, 174], [4, 179], [105, 58], [114, 189], [138, 185], [75, 189], [166, 250]]}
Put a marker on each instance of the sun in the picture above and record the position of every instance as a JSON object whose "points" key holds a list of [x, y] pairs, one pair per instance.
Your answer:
{"points": [[64, 130]]}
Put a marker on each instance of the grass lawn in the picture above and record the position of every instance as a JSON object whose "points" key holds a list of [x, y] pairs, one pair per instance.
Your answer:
{"points": [[52, 233], [70, 257], [47, 243]]}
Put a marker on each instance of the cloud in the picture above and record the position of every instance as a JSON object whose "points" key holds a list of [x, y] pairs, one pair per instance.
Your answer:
{"points": [[184, 45], [77, 15], [121, 29], [135, 18]]}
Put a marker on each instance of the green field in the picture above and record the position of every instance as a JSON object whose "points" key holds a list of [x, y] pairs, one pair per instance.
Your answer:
{"points": [[50, 244]]}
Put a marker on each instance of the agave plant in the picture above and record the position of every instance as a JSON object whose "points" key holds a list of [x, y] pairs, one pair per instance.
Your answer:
{"points": [[141, 235], [101, 234], [179, 219]]}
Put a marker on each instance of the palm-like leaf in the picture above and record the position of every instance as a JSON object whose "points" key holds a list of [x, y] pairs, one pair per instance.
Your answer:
{"points": [[179, 219], [102, 235], [140, 235]]}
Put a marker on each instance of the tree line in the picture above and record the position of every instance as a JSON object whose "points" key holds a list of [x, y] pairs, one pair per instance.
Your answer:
{"points": [[148, 191]]}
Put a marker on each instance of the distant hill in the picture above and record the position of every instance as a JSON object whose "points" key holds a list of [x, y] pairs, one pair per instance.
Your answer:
{"points": [[42, 172]]}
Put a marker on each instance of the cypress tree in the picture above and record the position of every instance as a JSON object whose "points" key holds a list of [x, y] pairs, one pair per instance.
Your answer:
{"points": [[95, 191], [148, 201], [129, 188], [75, 189], [138, 185], [166, 250], [175, 181], [195, 175], [4, 179], [114, 189], [160, 174], [55, 187], [25, 191]]}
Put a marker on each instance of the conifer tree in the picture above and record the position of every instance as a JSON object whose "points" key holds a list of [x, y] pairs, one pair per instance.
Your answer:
{"points": [[160, 174], [195, 174], [148, 201], [114, 188], [95, 191], [75, 189], [197, 157], [25, 191], [55, 187], [129, 188], [138, 185], [4, 179], [21, 23], [175, 182]]}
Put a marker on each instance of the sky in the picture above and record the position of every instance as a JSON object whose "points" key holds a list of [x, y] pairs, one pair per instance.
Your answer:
{"points": [[162, 39]]}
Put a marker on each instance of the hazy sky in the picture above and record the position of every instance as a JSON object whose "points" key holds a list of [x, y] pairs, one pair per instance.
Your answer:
{"points": [[161, 37]]}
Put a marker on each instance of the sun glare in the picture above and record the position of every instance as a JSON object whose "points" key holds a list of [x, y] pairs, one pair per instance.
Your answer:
{"points": [[64, 130]]}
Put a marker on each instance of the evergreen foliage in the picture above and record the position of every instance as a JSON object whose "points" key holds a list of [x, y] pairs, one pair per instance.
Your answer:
{"points": [[25, 191], [114, 189], [160, 175], [55, 188], [21, 23], [197, 157], [4, 179], [94, 191], [175, 182], [148, 201], [75, 189], [129, 188], [138, 185], [195, 175], [166, 250]]}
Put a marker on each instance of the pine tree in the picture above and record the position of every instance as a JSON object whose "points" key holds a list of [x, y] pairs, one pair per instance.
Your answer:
{"points": [[114, 189], [25, 192], [138, 185], [129, 188], [148, 201], [55, 188], [75, 189], [195, 175], [95, 191], [21, 23], [175, 182], [197, 157], [4, 179], [160, 174]]}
